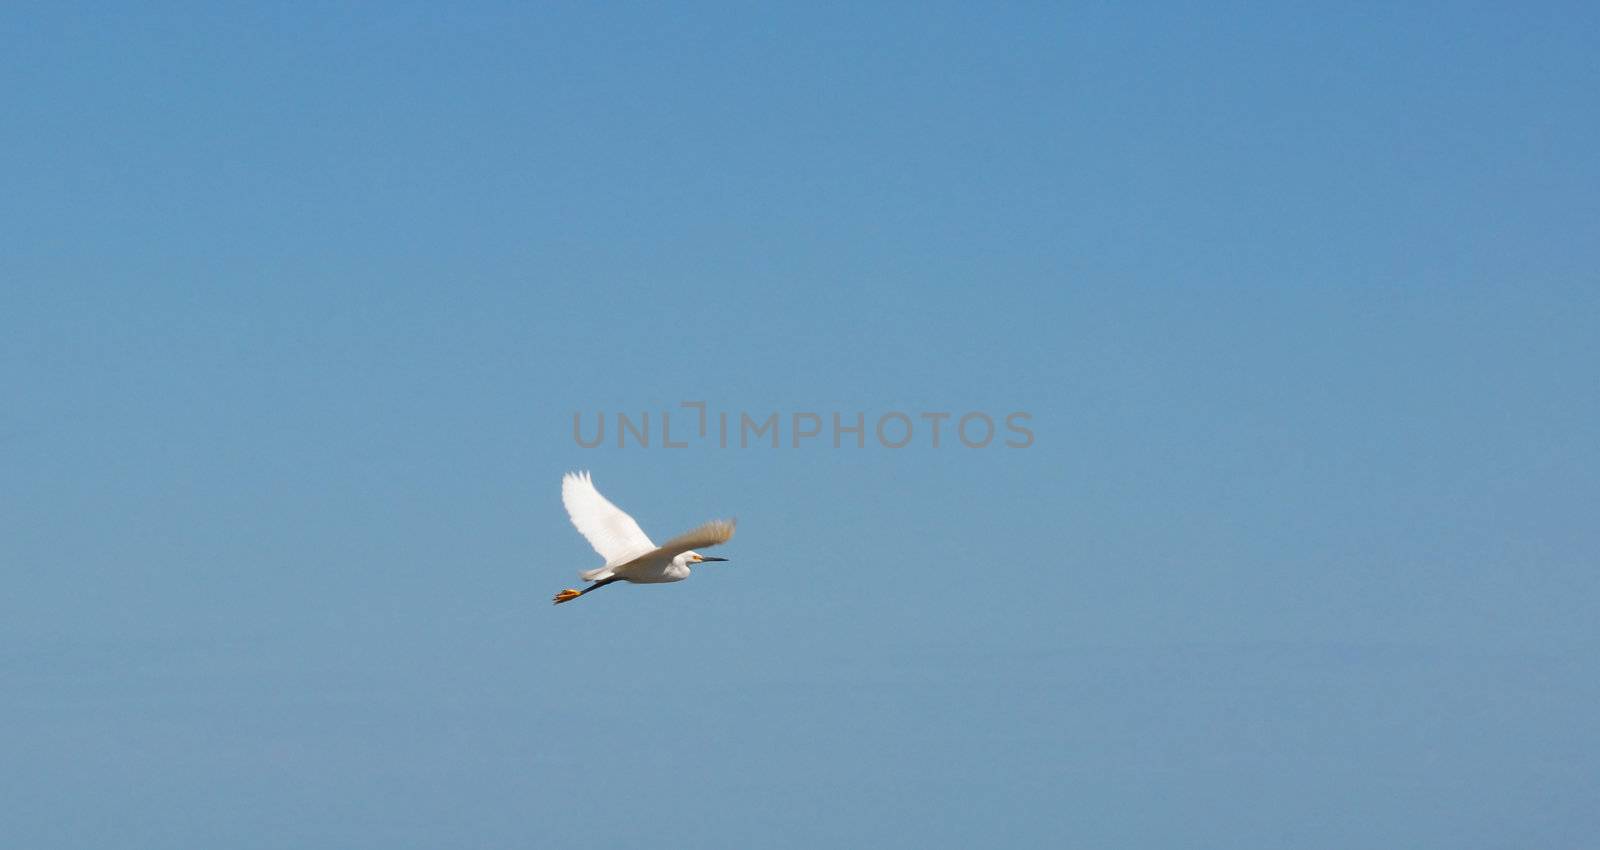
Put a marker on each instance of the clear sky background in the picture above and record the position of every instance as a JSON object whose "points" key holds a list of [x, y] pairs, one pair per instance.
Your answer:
{"points": [[297, 303]]}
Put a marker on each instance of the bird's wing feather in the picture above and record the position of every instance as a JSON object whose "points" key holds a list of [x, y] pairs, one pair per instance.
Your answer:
{"points": [[611, 532], [712, 533]]}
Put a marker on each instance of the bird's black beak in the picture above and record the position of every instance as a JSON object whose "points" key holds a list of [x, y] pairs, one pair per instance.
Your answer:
{"points": [[704, 558]]}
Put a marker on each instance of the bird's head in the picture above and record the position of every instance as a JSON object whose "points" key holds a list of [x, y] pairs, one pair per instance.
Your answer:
{"points": [[697, 558]]}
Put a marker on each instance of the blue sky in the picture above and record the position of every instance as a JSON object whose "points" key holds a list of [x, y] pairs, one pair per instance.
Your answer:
{"points": [[298, 304]]}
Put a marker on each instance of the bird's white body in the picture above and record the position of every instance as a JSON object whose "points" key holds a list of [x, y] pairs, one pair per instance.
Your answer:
{"points": [[654, 570], [629, 554]]}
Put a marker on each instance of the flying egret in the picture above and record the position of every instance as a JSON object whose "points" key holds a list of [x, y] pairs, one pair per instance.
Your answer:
{"points": [[629, 554]]}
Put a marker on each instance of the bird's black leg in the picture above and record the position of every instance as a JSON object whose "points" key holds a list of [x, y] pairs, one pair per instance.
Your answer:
{"points": [[569, 595]]}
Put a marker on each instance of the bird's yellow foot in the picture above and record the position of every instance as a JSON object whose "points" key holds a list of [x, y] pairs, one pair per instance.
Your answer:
{"points": [[566, 596]]}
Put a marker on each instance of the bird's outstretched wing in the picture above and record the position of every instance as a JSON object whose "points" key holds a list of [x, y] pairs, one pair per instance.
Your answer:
{"points": [[712, 533], [611, 532]]}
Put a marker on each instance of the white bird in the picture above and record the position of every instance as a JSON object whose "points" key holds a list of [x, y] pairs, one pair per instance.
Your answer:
{"points": [[629, 554]]}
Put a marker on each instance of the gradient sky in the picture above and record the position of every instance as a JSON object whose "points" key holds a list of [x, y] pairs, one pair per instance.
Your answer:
{"points": [[297, 303]]}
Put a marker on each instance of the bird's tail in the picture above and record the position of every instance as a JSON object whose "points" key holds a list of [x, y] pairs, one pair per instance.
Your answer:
{"points": [[595, 574]]}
